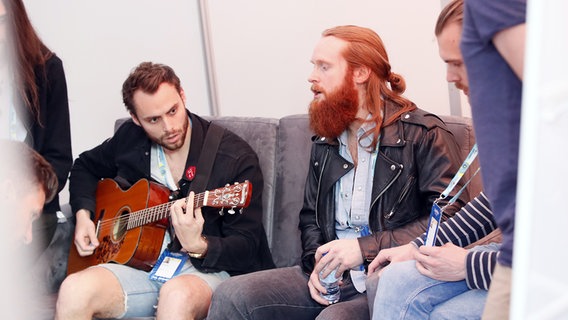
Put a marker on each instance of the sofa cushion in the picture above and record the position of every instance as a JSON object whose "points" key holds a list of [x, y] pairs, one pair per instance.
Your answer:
{"points": [[292, 159], [261, 135]]}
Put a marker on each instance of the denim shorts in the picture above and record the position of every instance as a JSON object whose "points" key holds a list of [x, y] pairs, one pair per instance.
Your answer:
{"points": [[141, 293]]}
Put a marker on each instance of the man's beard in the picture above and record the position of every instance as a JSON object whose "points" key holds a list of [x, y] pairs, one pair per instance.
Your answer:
{"points": [[174, 146], [332, 115]]}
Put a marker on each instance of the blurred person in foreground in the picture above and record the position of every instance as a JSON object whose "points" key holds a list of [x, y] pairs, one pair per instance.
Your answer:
{"points": [[27, 181]]}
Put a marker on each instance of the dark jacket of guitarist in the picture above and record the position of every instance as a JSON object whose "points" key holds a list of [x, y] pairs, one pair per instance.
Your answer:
{"points": [[236, 242]]}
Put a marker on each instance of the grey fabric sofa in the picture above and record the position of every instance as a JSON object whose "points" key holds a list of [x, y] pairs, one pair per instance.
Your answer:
{"points": [[283, 147]]}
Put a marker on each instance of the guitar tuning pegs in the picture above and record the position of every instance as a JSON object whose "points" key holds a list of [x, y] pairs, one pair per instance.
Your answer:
{"points": [[221, 211], [241, 211], [232, 210], [227, 185]]}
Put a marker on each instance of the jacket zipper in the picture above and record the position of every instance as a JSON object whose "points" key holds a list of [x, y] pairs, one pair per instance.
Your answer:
{"points": [[383, 191], [400, 198], [319, 184]]}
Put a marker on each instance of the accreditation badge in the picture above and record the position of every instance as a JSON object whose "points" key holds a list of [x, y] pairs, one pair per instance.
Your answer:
{"points": [[433, 224], [168, 265]]}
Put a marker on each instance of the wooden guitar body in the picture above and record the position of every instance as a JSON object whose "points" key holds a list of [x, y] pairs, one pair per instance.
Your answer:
{"points": [[138, 247]]}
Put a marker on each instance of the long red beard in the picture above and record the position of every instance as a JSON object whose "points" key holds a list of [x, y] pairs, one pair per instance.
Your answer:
{"points": [[332, 115]]}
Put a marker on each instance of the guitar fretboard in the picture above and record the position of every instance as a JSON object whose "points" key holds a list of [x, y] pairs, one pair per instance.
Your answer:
{"points": [[159, 212], [145, 216]]}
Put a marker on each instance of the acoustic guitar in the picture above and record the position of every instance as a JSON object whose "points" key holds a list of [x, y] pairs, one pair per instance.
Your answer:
{"points": [[131, 224]]}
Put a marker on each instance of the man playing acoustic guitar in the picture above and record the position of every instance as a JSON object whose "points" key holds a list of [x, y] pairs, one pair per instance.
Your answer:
{"points": [[162, 144]]}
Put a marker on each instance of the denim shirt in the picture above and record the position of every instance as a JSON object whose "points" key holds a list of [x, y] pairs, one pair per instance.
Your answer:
{"points": [[354, 189]]}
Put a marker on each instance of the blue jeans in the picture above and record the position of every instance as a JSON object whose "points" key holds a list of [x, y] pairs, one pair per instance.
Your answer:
{"points": [[404, 293], [281, 294]]}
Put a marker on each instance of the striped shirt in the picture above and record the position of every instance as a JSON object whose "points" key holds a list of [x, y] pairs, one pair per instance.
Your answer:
{"points": [[471, 223]]}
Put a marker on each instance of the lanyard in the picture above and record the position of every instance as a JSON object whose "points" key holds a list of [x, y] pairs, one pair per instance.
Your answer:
{"points": [[465, 165], [164, 169], [454, 198]]}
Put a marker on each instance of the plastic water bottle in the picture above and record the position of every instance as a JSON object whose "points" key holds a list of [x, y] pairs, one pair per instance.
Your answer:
{"points": [[331, 285]]}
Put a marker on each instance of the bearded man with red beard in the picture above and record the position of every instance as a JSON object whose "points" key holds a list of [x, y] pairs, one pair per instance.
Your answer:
{"points": [[377, 165], [163, 143]]}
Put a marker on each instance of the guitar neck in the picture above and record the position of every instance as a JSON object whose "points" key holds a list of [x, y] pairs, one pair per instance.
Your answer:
{"points": [[162, 211]]}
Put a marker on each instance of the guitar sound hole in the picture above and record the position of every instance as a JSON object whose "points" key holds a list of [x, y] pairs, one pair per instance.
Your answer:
{"points": [[120, 226]]}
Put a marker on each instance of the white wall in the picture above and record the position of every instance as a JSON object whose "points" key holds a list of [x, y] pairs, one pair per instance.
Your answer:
{"points": [[101, 41], [261, 52], [540, 281], [262, 49]]}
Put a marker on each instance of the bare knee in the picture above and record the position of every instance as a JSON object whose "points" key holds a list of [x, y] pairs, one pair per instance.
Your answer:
{"points": [[89, 292], [188, 293], [73, 292]]}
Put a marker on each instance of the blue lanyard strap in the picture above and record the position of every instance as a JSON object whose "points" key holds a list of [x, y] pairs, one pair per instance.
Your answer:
{"points": [[454, 198], [465, 165]]}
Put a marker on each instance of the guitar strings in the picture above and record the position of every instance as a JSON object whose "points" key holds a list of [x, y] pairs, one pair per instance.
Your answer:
{"points": [[141, 217]]}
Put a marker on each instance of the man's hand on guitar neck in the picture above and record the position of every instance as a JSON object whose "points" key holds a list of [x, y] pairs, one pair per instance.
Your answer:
{"points": [[188, 225], [85, 234]]}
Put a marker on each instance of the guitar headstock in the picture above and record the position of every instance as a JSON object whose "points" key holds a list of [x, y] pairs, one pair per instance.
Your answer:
{"points": [[232, 196]]}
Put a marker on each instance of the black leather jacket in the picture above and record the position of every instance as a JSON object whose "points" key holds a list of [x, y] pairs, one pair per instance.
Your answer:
{"points": [[418, 157]]}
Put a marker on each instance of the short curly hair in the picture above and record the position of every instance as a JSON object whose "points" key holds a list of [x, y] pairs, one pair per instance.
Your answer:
{"points": [[148, 77]]}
